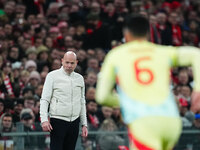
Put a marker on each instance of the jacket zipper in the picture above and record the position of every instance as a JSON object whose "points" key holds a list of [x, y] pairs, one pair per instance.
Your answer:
{"points": [[71, 98]]}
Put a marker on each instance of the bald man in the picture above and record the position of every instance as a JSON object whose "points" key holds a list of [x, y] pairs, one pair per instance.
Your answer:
{"points": [[62, 105]]}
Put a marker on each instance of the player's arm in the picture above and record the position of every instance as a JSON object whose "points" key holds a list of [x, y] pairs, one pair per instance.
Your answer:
{"points": [[191, 56], [105, 84]]}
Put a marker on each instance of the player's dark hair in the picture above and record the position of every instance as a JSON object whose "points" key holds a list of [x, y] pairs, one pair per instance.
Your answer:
{"points": [[138, 25]]}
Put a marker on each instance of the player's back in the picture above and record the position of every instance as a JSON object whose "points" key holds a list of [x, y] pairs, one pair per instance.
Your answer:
{"points": [[143, 71]]}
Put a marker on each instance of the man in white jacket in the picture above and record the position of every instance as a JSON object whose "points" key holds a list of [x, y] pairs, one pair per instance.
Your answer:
{"points": [[63, 98]]}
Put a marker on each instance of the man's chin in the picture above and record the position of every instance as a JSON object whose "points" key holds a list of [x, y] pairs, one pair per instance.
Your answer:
{"points": [[69, 71]]}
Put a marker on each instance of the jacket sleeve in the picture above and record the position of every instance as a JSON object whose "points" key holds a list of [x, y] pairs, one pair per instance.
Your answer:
{"points": [[83, 116], [46, 98]]}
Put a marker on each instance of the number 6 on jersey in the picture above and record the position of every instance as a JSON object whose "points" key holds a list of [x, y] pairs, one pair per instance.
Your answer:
{"points": [[140, 71]]}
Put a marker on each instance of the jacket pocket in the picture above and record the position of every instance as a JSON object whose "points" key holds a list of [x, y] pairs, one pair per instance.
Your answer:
{"points": [[77, 90], [53, 106]]}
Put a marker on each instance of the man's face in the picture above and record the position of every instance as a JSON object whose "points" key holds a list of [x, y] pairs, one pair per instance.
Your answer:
{"points": [[93, 63], [29, 103], [14, 53], [92, 107], [69, 62], [91, 79], [183, 77], [7, 122], [107, 111], [37, 108], [18, 108], [161, 18], [173, 18]]}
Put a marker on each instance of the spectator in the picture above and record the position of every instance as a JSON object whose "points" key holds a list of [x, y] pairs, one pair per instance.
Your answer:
{"points": [[7, 126], [93, 124], [55, 54], [183, 77], [23, 80], [7, 81], [27, 92], [82, 59], [36, 111], [29, 102], [154, 33], [38, 92], [30, 66], [90, 79], [34, 79], [97, 33], [63, 28], [68, 42], [93, 121], [1, 107], [56, 64], [90, 93], [108, 141], [176, 32], [43, 75], [42, 57], [100, 55], [117, 118], [185, 92], [48, 42], [18, 106], [93, 65], [104, 113], [6, 123], [27, 118], [16, 68], [31, 53]]}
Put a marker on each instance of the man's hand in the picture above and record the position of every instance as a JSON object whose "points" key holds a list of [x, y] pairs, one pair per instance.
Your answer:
{"points": [[195, 102], [84, 131], [46, 126]]}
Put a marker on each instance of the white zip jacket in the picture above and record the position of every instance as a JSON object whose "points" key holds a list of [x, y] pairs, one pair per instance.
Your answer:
{"points": [[64, 96]]}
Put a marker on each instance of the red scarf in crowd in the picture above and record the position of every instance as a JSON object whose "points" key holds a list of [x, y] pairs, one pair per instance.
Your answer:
{"points": [[8, 86], [94, 121], [176, 35], [39, 7], [161, 27], [90, 31], [155, 35]]}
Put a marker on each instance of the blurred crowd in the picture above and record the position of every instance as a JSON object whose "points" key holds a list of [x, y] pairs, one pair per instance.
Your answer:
{"points": [[35, 34]]}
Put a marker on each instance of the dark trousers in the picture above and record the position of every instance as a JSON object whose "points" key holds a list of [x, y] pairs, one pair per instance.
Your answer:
{"points": [[64, 134]]}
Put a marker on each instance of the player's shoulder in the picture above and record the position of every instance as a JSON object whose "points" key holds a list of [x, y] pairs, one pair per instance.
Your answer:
{"points": [[188, 48], [119, 49], [166, 48]]}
